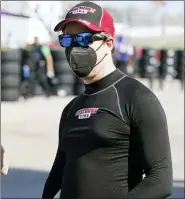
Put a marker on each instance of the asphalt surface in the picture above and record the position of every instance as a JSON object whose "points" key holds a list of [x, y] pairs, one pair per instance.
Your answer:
{"points": [[29, 133]]}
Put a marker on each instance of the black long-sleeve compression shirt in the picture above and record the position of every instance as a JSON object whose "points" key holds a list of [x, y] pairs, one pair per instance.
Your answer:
{"points": [[110, 136]]}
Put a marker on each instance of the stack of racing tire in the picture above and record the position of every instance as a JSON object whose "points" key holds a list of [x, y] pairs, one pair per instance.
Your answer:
{"points": [[180, 64], [180, 67], [138, 53], [168, 62], [148, 63], [63, 73], [10, 74]]}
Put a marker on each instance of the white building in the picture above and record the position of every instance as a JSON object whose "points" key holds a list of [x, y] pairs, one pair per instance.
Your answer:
{"points": [[18, 31], [14, 30]]}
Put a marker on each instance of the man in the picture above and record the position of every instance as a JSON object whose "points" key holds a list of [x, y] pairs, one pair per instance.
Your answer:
{"points": [[43, 62], [4, 163], [114, 132], [124, 55]]}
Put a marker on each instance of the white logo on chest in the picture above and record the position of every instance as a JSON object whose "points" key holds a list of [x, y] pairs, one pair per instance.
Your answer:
{"points": [[86, 113]]}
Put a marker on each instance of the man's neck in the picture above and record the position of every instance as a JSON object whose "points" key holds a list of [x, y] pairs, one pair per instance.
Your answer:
{"points": [[103, 73]]}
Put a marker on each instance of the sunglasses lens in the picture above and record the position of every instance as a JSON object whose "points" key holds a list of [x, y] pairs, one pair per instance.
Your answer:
{"points": [[81, 39], [65, 40], [84, 39]]}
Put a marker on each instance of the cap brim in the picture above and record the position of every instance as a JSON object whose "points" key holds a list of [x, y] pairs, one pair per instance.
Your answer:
{"points": [[91, 26]]}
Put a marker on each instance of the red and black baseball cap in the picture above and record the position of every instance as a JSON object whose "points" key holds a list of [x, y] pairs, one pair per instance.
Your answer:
{"points": [[90, 15]]}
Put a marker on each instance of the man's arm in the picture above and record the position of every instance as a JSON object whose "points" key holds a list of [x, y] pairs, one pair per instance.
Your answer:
{"points": [[4, 163], [54, 180], [149, 121], [49, 59]]}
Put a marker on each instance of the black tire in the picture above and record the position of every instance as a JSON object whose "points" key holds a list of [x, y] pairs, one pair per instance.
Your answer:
{"points": [[10, 94], [10, 81], [145, 52], [26, 54], [66, 79], [62, 67], [10, 68], [11, 55], [162, 70], [58, 55]]}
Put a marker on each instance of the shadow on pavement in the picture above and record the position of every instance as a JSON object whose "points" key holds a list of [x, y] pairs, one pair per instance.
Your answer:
{"points": [[25, 183], [178, 189]]}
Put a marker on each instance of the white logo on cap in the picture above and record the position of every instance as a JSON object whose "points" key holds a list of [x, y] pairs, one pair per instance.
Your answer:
{"points": [[82, 10]]}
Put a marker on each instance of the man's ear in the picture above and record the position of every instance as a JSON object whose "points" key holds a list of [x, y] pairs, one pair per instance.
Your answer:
{"points": [[110, 42]]}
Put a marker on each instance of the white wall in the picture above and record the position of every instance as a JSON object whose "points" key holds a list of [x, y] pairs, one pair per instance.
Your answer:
{"points": [[17, 27], [15, 6]]}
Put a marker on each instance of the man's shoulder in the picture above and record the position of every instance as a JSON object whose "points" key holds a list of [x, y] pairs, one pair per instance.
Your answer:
{"points": [[130, 84], [69, 105], [132, 88]]}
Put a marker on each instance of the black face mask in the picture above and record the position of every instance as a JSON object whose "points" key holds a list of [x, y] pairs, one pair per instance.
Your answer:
{"points": [[82, 59]]}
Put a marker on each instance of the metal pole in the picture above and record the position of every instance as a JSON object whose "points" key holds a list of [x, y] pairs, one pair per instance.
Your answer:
{"points": [[163, 19]]}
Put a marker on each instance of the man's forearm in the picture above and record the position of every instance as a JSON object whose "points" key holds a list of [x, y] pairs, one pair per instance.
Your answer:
{"points": [[4, 162], [50, 66], [54, 180], [155, 185]]}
